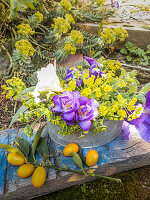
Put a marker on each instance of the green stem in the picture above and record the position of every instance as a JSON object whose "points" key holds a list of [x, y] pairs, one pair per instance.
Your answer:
{"points": [[34, 42], [80, 172], [39, 33], [7, 53], [12, 36], [36, 120], [14, 32], [45, 9], [5, 3], [41, 29]]}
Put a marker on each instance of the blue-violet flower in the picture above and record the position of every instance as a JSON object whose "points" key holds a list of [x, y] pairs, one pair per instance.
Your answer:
{"points": [[142, 124], [67, 104], [86, 112], [70, 75]]}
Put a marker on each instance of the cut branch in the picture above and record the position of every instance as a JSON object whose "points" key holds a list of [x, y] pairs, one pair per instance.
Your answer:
{"points": [[80, 172]]}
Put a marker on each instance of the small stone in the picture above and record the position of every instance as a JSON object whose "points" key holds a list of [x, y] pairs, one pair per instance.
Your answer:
{"points": [[119, 57]]}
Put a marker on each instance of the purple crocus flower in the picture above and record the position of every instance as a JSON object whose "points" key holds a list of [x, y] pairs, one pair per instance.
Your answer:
{"points": [[142, 123], [115, 4], [86, 112], [93, 63], [94, 70], [79, 82], [69, 75], [67, 105]]}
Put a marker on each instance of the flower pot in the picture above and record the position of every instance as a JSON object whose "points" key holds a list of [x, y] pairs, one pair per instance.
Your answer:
{"points": [[89, 140]]}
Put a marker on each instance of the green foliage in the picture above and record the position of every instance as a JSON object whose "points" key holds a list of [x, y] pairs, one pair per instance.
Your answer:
{"points": [[77, 160], [13, 87], [59, 55], [22, 109], [26, 90], [51, 37], [11, 149], [88, 13], [111, 36], [25, 67], [61, 72], [146, 88], [141, 97], [42, 148], [36, 140], [148, 49], [23, 146], [19, 5], [136, 55], [27, 130], [31, 29], [84, 188], [124, 51], [133, 88], [90, 42]]}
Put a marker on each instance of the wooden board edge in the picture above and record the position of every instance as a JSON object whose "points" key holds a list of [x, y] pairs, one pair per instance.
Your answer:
{"points": [[71, 179]]}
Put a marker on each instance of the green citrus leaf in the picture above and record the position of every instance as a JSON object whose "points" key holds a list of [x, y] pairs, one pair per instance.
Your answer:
{"points": [[36, 140], [30, 156], [42, 147], [82, 159], [11, 149], [23, 146], [77, 160]]}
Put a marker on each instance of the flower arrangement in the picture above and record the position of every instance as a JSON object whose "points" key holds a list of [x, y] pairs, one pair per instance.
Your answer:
{"points": [[90, 94]]}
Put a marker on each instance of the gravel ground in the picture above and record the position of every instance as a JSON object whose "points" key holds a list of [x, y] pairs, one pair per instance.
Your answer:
{"points": [[132, 11]]}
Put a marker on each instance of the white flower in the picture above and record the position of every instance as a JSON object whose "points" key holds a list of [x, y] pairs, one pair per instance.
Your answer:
{"points": [[103, 76], [47, 81]]}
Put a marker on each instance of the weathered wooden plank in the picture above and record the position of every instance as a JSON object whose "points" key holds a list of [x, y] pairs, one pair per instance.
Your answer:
{"points": [[116, 150], [74, 179], [12, 179], [10, 182], [3, 162], [119, 155]]}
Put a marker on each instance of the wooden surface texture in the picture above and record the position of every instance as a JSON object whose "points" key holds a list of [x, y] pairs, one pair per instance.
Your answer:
{"points": [[117, 156]]}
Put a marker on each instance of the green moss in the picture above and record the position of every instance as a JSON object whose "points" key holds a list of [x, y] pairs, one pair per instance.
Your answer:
{"points": [[131, 188], [146, 27]]}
